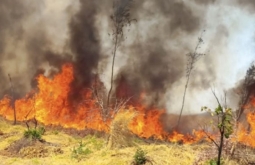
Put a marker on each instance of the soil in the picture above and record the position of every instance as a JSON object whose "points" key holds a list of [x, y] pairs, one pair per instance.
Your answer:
{"points": [[29, 148]]}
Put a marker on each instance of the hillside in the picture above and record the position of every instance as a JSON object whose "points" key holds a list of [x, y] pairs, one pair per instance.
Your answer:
{"points": [[59, 145]]}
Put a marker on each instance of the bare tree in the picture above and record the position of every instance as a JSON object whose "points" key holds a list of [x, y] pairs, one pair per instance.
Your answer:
{"points": [[33, 120], [13, 100], [120, 18], [192, 59], [107, 113], [246, 90]]}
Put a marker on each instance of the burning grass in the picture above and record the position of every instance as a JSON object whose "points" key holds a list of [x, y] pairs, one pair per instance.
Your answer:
{"points": [[132, 123], [58, 148], [50, 106]]}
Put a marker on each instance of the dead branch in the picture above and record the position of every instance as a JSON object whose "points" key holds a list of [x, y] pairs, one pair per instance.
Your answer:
{"points": [[13, 100], [209, 137], [34, 120]]}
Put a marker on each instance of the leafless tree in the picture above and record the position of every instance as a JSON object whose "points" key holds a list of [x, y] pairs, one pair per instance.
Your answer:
{"points": [[107, 113], [192, 58], [120, 18], [247, 89], [33, 120]]}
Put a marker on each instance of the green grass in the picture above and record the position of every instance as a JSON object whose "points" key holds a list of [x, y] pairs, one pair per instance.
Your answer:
{"points": [[35, 134]]}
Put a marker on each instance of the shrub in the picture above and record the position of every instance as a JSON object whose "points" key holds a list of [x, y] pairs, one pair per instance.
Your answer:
{"points": [[140, 157], [213, 162], [35, 134], [77, 152], [41, 130]]}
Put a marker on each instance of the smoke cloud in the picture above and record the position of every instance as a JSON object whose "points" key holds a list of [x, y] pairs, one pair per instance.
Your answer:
{"points": [[38, 37], [85, 45]]}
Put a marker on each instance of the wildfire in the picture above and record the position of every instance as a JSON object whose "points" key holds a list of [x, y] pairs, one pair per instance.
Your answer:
{"points": [[50, 106], [247, 136]]}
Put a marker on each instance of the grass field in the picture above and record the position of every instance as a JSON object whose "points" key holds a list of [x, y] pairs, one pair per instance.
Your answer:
{"points": [[60, 148]]}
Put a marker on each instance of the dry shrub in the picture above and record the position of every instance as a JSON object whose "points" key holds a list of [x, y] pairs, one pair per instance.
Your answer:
{"points": [[120, 135]]}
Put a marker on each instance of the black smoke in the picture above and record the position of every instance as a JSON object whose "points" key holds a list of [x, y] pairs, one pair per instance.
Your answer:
{"points": [[152, 66], [85, 45]]}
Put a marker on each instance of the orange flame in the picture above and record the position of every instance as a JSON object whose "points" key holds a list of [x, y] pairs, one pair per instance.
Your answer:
{"points": [[147, 123], [50, 107], [245, 136]]}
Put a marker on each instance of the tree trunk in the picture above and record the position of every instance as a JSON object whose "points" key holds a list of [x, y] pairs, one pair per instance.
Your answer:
{"points": [[13, 101], [221, 146]]}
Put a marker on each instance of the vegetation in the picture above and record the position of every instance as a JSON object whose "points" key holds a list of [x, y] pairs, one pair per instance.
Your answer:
{"points": [[81, 150], [120, 18], [246, 90], [213, 162], [101, 155], [140, 157], [34, 134], [191, 60], [224, 125], [120, 135], [13, 101]]}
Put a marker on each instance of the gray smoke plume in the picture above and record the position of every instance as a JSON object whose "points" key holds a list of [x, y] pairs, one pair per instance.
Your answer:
{"points": [[153, 66], [12, 17], [248, 4], [39, 36], [27, 47]]}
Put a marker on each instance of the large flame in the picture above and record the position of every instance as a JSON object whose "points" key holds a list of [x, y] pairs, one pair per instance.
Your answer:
{"points": [[49, 105], [247, 135]]}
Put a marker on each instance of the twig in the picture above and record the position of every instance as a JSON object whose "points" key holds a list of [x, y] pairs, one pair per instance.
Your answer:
{"points": [[211, 139]]}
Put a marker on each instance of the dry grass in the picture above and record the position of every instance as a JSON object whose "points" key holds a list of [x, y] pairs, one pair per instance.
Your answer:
{"points": [[159, 154], [120, 136]]}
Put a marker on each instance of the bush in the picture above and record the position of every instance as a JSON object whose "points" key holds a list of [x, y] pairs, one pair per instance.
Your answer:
{"points": [[34, 133], [80, 150], [140, 157], [213, 162]]}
